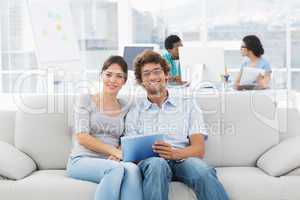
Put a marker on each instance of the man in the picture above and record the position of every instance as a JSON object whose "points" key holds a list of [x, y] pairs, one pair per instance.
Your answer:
{"points": [[171, 54], [182, 150]]}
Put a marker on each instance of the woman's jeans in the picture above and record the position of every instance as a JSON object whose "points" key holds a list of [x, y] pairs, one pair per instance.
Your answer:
{"points": [[116, 180]]}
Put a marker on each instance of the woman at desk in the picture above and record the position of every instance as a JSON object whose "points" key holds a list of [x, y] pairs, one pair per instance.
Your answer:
{"points": [[252, 49]]}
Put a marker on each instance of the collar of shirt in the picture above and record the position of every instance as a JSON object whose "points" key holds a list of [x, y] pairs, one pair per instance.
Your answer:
{"points": [[167, 54], [171, 100]]}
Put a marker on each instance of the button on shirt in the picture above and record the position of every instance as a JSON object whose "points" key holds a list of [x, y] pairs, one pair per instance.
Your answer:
{"points": [[177, 118]]}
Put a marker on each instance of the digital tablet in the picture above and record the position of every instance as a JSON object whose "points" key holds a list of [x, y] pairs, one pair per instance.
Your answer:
{"points": [[136, 148]]}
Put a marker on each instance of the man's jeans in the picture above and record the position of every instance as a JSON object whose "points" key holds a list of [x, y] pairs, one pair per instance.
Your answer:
{"points": [[158, 173]]}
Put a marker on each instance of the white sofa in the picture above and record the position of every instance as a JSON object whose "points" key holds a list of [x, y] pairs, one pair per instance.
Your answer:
{"points": [[246, 130]]}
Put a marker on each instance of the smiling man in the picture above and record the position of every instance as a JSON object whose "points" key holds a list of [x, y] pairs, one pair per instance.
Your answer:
{"points": [[182, 151]]}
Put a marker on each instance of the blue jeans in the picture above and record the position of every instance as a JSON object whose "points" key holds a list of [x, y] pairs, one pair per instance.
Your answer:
{"points": [[116, 180], [158, 173]]}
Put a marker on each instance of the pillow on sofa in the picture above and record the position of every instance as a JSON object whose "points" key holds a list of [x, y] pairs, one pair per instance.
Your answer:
{"points": [[14, 164], [282, 158], [295, 172]]}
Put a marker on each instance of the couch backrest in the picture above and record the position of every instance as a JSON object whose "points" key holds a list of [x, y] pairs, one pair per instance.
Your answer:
{"points": [[289, 122], [7, 126], [249, 127], [241, 125], [43, 130]]}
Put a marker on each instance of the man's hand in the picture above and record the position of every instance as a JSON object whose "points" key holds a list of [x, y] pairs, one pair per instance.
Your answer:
{"points": [[165, 150]]}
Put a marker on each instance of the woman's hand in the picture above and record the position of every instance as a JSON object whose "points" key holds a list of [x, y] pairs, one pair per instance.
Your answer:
{"points": [[117, 153], [111, 157], [237, 86], [261, 82]]}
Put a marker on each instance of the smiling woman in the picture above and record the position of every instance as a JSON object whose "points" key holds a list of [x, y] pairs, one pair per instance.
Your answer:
{"points": [[99, 124]]}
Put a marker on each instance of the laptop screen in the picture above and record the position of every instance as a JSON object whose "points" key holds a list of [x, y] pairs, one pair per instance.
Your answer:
{"points": [[130, 52]]}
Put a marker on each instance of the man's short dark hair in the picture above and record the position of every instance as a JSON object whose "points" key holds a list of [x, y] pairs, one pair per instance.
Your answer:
{"points": [[171, 40]]}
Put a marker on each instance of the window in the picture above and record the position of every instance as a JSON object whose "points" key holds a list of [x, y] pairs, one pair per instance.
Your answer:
{"points": [[154, 21], [103, 26], [96, 28], [17, 52], [240, 18], [295, 46], [231, 20]]}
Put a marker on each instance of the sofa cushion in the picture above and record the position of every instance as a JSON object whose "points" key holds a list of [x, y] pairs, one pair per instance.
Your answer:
{"points": [[290, 187], [42, 130], [250, 127], [289, 120], [50, 185], [179, 191], [210, 106], [236, 122], [282, 158], [55, 184], [249, 183], [13, 163]]}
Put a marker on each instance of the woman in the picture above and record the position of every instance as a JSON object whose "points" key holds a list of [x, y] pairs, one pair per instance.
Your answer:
{"points": [[99, 123], [252, 48]]}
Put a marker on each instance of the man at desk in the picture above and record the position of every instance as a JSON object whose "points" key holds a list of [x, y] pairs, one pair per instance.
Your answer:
{"points": [[182, 151], [171, 55]]}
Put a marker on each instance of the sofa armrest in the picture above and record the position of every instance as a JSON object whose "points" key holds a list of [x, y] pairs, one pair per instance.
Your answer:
{"points": [[282, 158], [14, 164]]}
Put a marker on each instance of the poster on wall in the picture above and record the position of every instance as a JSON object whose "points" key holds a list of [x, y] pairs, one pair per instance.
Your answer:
{"points": [[54, 35]]}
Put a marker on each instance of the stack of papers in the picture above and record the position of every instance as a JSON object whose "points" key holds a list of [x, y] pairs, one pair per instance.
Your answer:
{"points": [[250, 74]]}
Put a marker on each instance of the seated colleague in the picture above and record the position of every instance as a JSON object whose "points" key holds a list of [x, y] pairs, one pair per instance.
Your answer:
{"points": [[171, 54], [99, 123], [182, 151], [252, 48]]}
